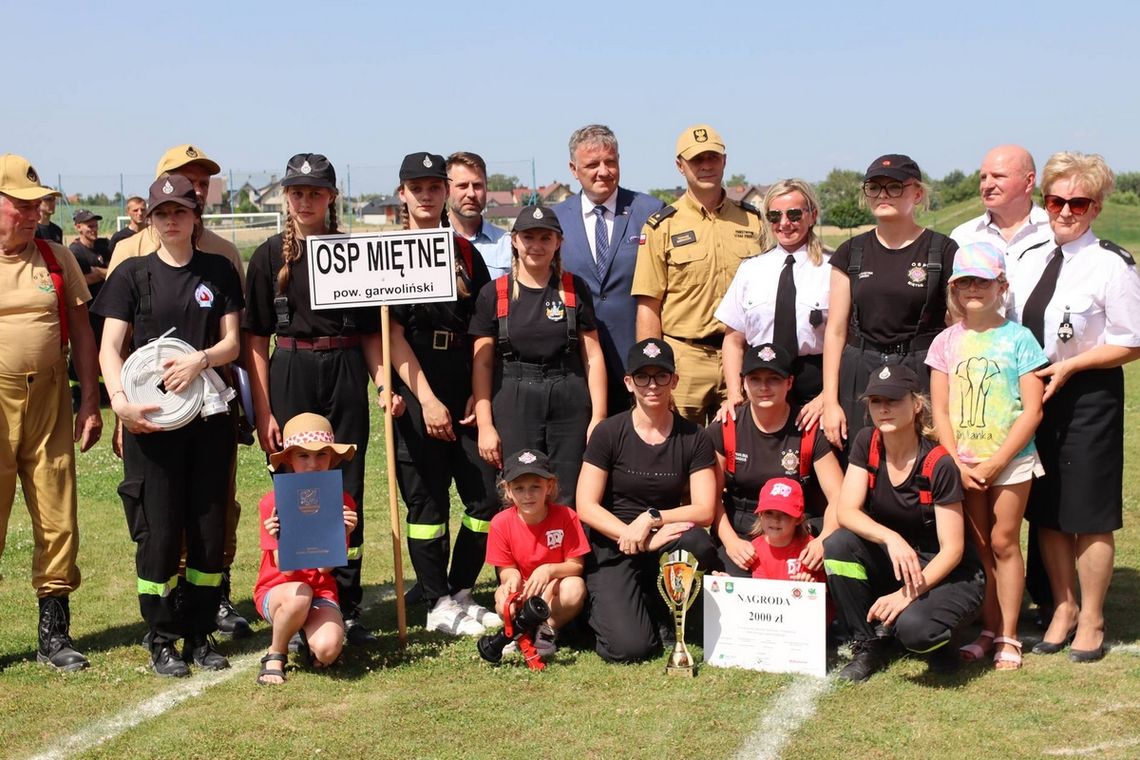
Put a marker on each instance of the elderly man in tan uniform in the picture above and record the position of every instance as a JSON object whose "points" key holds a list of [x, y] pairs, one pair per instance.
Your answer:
{"points": [[43, 312], [688, 255], [193, 164]]}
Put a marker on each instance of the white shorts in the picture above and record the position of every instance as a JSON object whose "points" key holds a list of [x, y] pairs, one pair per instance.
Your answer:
{"points": [[1020, 470]]}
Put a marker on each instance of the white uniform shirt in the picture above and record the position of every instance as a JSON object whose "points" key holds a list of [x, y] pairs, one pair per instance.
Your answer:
{"points": [[749, 306], [1098, 290], [1034, 234], [590, 220]]}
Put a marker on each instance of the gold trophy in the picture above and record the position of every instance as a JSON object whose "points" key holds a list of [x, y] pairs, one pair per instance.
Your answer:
{"points": [[679, 585]]}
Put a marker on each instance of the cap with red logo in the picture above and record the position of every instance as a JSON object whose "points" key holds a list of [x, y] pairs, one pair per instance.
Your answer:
{"points": [[894, 166], [782, 495]]}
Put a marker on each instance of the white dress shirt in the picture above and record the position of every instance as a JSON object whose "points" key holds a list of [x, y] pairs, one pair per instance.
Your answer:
{"points": [[1035, 233], [590, 220], [749, 305], [1096, 288]]}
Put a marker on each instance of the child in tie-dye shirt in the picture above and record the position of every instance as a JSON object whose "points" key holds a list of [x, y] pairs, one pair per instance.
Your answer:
{"points": [[987, 405]]}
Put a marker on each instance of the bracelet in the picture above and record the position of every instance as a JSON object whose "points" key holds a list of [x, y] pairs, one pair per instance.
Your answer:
{"points": [[205, 359]]}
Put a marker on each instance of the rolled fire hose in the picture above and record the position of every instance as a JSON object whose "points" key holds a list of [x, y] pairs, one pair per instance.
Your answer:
{"points": [[142, 372]]}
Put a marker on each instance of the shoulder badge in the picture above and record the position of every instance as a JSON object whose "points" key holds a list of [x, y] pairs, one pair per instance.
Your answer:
{"points": [[750, 208], [1108, 245], [655, 219]]}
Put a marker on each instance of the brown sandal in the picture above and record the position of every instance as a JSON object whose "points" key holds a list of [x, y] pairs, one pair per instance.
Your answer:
{"points": [[267, 671]]}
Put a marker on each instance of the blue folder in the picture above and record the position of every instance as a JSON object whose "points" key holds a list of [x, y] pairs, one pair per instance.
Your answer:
{"points": [[310, 507]]}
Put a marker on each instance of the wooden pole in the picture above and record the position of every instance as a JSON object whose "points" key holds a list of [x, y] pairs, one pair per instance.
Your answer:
{"points": [[390, 453]]}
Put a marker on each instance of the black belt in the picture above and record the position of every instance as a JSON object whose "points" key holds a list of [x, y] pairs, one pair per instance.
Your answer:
{"points": [[520, 370], [709, 341], [324, 343], [920, 343], [439, 340]]}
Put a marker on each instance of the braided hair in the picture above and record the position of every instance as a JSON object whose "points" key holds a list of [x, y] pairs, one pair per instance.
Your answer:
{"points": [[291, 247]]}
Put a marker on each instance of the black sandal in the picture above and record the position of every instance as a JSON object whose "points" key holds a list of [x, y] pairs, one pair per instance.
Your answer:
{"points": [[265, 671]]}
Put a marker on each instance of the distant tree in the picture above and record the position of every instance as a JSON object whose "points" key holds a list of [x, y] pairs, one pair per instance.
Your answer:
{"points": [[839, 193], [847, 213], [502, 182], [98, 199], [1128, 181], [664, 194], [1125, 198], [737, 179], [244, 204]]}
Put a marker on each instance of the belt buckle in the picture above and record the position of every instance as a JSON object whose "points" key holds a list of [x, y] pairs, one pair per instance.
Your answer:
{"points": [[441, 340]]}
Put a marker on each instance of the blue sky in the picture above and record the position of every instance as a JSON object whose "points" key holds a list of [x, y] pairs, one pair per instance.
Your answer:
{"points": [[795, 88]]}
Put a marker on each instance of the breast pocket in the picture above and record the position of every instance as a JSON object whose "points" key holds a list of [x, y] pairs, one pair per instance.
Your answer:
{"points": [[1085, 314], [688, 265], [812, 312]]}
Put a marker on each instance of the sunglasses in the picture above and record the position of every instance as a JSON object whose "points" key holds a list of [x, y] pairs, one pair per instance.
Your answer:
{"points": [[893, 189], [1054, 204], [981, 283], [660, 379], [793, 214]]}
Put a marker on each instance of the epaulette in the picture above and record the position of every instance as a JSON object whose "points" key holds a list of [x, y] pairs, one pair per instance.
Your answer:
{"points": [[655, 219], [750, 208], [1108, 245]]}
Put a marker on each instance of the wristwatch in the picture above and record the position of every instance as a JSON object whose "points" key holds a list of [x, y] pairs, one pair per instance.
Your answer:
{"points": [[655, 515]]}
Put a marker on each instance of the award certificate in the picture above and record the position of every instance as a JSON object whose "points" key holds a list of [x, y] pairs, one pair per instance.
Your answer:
{"points": [[310, 507]]}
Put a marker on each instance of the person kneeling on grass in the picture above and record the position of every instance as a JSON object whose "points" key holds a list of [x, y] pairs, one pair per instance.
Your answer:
{"points": [[900, 557], [537, 546], [300, 600]]}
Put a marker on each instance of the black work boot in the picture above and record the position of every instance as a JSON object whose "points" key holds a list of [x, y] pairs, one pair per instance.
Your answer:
{"points": [[55, 647], [229, 620], [200, 650], [868, 658], [356, 633], [165, 661]]}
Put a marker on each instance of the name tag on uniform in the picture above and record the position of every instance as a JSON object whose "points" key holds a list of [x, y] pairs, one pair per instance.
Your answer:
{"points": [[683, 238], [745, 234]]}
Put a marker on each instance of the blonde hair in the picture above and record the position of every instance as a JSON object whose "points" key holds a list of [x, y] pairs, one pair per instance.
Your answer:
{"points": [[796, 185], [923, 418], [555, 267], [1090, 170], [954, 306], [802, 528], [291, 245], [551, 492]]}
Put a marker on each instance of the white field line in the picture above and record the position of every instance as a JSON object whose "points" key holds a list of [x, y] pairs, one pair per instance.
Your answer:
{"points": [[103, 730], [794, 705]]}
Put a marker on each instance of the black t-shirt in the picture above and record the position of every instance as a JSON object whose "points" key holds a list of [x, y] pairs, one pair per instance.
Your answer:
{"points": [[536, 322], [890, 289], [120, 236], [449, 315], [898, 508], [762, 456], [193, 298], [643, 475], [50, 231], [261, 288], [99, 256]]}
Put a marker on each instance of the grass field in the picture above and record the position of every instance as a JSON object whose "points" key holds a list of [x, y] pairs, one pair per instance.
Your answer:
{"points": [[437, 699]]}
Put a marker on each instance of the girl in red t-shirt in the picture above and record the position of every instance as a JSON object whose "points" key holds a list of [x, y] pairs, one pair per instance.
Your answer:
{"points": [[780, 534], [537, 545], [300, 600]]}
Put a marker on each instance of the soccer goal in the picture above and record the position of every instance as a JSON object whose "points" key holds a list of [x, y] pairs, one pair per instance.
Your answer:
{"points": [[241, 229]]}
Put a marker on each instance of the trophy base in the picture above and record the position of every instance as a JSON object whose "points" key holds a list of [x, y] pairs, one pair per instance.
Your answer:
{"points": [[687, 671]]}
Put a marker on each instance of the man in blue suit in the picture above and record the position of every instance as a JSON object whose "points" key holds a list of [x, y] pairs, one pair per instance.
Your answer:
{"points": [[601, 229]]}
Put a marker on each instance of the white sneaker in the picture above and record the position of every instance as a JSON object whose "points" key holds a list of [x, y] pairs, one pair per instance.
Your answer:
{"points": [[447, 616], [544, 640], [483, 616]]}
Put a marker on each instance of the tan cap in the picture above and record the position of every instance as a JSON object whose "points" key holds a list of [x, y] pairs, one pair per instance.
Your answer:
{"points": [[180, 155], [311, 432], [698, 139], [19, 180]]}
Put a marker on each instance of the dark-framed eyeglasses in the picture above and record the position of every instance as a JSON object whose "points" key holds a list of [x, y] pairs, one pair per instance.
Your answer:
{"points": [[1055, 204], [794, 215], [980, 283], [893, 189], [660, 379]]}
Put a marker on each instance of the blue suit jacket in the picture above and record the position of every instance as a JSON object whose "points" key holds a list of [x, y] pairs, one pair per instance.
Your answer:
{"points": [[615, 308]]}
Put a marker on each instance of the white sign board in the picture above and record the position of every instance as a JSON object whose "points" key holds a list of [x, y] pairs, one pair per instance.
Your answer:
{"points": [[774, 626], [381, 268]]}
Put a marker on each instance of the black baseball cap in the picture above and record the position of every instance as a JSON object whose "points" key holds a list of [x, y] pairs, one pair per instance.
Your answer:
{"points": [[893, 166], [311, 170], [651, 352], [767, 356], [526, 462], [893, 381], [83, 215], [537, 218], [423, 166], [173, 188]]}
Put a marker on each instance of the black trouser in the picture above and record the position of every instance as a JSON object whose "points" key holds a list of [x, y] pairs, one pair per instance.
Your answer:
{"points": [[860, 571], [334, 384], [855, 368], [544, 408], [174, 490], [808, 383], [626, 608], [425, 468]]}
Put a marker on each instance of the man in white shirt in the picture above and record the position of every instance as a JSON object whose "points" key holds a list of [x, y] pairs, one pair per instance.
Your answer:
{"points": [[466, 199], [1011, 223]]}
